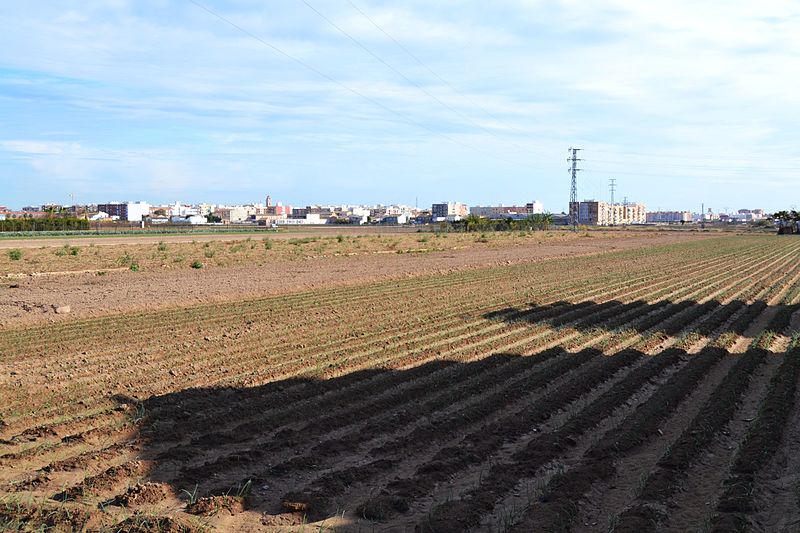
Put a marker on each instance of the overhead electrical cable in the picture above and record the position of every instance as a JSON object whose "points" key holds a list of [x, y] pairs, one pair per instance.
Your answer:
{"points": [[350, 89], [431, 71], [406, 78]]}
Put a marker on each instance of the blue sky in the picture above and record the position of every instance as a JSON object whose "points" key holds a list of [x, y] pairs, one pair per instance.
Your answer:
{"points": [[682, 102]]}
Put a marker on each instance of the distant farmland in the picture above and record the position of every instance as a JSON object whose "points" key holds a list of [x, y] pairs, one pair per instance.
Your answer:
{"points": [[640, 390]]}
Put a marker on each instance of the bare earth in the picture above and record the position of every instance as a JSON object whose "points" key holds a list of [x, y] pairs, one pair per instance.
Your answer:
{"points": [[34, 298], [291, 233]]}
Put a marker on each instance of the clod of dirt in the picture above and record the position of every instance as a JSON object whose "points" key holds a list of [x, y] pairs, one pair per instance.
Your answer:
{"points": [[314, 507], [140, 523], [141, 494], [63, 309], [212, 505]]}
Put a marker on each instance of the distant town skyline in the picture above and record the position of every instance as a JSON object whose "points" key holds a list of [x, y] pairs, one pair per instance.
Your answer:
{"points": [[366, 102]]}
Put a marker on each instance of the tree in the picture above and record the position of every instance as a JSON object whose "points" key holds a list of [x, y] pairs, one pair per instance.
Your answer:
{"points": [[472, 223]]}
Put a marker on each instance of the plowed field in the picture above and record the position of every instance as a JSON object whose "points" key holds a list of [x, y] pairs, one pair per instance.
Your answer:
{"points": [[651, 389]]}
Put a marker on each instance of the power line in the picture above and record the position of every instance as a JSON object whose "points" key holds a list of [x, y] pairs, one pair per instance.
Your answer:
{"points": [[685, 157], [347, 87], [744, 168], [406, 78], [431, 71]]}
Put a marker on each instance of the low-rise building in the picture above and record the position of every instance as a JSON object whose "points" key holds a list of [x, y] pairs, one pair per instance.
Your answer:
{"points": [[449, 211], [395, 219], [494, 211], [309, 218], [596, 213], [131, 211], [669, 217]]}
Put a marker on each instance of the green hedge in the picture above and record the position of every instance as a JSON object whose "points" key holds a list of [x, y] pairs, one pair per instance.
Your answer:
{"points": [[43, 224]]}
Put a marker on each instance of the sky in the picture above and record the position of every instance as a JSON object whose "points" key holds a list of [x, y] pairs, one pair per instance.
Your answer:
{"points": [[368, 101]]}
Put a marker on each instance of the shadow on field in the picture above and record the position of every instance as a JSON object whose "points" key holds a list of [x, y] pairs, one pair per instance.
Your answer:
{"points": [[293, 446], [640, 316], [266, 441]]}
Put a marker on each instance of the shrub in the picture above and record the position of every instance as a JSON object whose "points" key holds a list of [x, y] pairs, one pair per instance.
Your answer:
{"points": [[15, 255], [197, 264], [124, 259]]}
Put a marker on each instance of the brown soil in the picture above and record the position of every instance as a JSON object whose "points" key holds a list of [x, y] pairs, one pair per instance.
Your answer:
{"points": [[213, 505], [371, 405], [35, 299], [143, 494], [143, 523], [778, 486]]}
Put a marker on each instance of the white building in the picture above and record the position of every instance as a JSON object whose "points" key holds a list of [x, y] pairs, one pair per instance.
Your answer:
{"points": [[451, 211], [137, 210], [669, 217], [310, 218]]}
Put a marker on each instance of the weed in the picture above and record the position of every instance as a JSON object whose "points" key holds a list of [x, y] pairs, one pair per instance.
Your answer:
{"points": [[423, 239], [134, 267], [245, 489], [15, 255], [192, 496], [101, 272], [125, 259], [340, 238], [139, 414], [197, 264], [209, 253], [162, 247], [613, 522], [268, 243]]}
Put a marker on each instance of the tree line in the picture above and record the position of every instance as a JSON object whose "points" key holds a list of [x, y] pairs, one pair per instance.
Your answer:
{"points": [[538, 221], [44, 224]]}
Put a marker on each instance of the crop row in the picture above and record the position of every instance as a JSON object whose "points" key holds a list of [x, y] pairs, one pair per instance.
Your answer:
{"points": [[759, 445]]}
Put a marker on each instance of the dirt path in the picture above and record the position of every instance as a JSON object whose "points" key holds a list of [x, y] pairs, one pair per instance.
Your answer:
{"points": [[34, 299], [110, 239]]}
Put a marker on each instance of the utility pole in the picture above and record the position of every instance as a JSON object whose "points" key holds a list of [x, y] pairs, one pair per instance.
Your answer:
{"points": [[573, 194], [613, 187], [703, 216], [624, 210]]}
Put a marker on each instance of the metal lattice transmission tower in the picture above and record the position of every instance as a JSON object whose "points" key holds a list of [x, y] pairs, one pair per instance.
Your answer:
{"points": [[613, 186], [573, 194]]}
